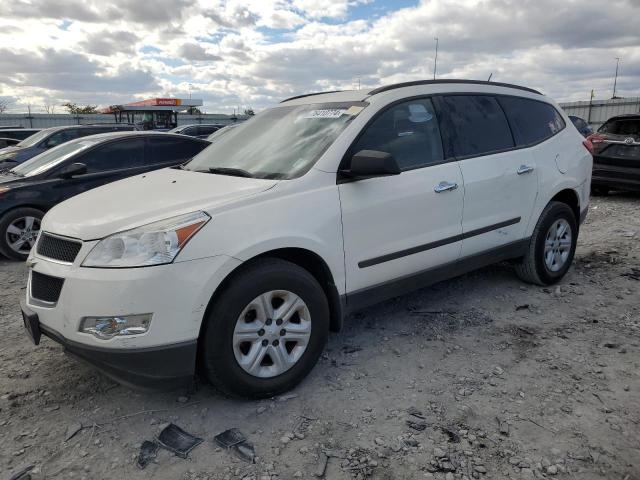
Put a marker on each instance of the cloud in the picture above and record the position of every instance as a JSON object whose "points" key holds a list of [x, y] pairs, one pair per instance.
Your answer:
{"points": [[256, 52], [109, 43], [197, 53]]}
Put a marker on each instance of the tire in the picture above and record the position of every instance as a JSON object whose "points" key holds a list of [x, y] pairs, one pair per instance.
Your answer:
{"points": [[600, 191], [534, 266], [263, 282], [15, 219]]}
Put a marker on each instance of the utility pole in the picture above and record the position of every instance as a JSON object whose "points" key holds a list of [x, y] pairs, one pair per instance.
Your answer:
{"points": [[190, 87], [435, 60], [615, 81]]}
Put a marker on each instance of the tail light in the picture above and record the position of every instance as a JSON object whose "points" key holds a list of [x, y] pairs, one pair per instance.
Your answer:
{"points": [[588, 145], [596, 138]]}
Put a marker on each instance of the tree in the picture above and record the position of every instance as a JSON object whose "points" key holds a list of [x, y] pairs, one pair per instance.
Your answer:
{"points": [[194, 111], [80, 110], [49, 108], [249, 112], [4, 104]]}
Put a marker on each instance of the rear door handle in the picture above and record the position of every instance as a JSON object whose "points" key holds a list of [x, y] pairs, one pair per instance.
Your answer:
{"points": [[524, 169], [445, 187]]}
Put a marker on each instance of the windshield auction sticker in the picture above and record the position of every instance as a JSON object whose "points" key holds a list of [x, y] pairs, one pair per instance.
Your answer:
{"points": [[326, 113]]}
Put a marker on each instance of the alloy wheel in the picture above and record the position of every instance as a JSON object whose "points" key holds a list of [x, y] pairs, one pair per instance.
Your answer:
{"points": [[557, 245], [22, 233], [272, 333]]}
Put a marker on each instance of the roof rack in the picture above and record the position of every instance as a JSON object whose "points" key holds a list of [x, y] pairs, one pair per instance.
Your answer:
{"points": [[310, 95], [435, 82]]}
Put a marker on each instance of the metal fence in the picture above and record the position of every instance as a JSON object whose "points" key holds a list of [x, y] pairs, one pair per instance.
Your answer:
{"points": [[597, 112], [45, 120]]}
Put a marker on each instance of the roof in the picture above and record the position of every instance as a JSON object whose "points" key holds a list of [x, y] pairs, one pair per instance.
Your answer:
{"points": [[624, 116], [360, 95]]}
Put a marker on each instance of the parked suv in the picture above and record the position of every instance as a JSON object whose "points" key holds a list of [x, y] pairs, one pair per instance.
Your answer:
{"points": [[28, 190], [49, 138], [241, 262], [616, 155]]}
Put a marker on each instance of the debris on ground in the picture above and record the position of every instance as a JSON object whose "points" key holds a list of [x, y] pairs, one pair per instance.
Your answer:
{"points": [[176, 440], [148, 452], [235, 441]]}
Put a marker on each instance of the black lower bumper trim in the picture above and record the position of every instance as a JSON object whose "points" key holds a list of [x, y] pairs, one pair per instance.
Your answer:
{"points": [[155, 368]]}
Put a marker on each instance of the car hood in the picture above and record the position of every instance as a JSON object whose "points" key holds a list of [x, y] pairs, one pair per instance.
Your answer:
{"points": [[146, 198]]}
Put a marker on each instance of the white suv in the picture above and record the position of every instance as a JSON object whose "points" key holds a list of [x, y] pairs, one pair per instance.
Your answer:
{"points": [[239, 263]]}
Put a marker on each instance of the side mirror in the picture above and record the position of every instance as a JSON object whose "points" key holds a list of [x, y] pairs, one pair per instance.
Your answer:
{"points": [[371, 163], [73, 170]]}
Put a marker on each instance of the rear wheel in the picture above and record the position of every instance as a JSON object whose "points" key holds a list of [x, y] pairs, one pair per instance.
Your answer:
{"points": [[19, 230], [266, 330], [551, 247]]}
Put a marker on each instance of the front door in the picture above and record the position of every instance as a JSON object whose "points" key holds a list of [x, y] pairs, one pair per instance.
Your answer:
{"points": [[399, 225]]}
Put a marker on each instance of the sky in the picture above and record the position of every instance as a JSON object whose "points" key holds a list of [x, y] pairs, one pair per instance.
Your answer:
{"points": [[253, 53]]}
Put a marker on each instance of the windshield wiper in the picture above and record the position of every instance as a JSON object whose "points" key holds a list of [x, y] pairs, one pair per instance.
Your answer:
{"points": [[11, 172], [234, 172]]}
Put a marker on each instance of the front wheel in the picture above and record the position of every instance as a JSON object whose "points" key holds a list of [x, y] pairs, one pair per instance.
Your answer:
{"points": [[19, 230], [551, 247], [265, 331]]}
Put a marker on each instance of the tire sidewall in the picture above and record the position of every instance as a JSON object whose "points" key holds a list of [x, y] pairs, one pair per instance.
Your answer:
{"points": [[556, 212], [218, 355], [7, 219]]}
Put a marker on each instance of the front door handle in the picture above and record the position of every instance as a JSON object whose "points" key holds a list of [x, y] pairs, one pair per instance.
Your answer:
{"points": [[445, 187], [524, 169]]}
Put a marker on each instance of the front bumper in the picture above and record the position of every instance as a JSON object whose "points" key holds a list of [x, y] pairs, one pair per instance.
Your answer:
{"points": [[164, 367], [176, 295]]}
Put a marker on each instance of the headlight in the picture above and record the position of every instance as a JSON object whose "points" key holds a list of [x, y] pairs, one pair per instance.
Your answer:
{"points": [[153, 244]]}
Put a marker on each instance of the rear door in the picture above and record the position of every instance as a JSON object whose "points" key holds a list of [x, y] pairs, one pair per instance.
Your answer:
{"points": [[500, 181]]}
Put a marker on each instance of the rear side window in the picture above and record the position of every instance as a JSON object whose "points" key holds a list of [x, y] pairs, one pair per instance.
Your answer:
{"points": [[532, 121], [62, 136], [476, 125], [173, 149], [409, 131], [115, 155]]}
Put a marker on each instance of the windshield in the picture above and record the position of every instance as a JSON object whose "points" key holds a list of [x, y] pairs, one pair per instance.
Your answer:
{"points": [[176, 130], [49, 159], [280, 143], [35, 138]]}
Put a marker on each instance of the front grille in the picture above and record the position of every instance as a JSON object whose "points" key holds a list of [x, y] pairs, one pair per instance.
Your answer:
{"points": [[58, 248], [46, 288]]}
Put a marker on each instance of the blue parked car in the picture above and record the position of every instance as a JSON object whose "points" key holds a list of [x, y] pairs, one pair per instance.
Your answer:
{"points": [[51, 137]]}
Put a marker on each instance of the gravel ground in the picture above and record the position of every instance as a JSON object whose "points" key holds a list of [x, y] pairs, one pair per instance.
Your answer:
{"points": [[478, 377]]}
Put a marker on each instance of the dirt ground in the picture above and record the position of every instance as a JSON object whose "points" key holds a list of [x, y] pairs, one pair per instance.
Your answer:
{"points": [[478, 377]]}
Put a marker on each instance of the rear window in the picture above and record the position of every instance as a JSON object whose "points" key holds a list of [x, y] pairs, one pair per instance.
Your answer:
{"points": [[477, 125], [629, 127], [532, 121]]}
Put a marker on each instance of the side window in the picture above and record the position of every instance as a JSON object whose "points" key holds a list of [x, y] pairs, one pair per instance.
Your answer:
{"points": [[61, 137], [191, 131], [115, 155], [532, 121], [173, 149], [476, 125], [409, 131]]}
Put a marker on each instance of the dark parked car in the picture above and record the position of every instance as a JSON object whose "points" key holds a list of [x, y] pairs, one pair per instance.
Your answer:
{"points": [[616, 155], [197, 130], [8, 142], [51, 137], [581, 125], [18, 133], [28, 190]]}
